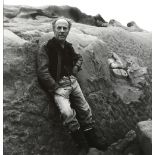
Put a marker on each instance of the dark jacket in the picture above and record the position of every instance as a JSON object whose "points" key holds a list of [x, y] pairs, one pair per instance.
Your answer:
{"points": [[47, 61]]}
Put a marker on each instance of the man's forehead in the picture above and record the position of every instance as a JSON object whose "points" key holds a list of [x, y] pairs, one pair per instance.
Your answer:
{"points": [[62, 22]]}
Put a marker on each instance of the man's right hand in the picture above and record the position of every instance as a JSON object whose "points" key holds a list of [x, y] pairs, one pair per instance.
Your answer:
{"points": [[56, 86], [52, 91]]}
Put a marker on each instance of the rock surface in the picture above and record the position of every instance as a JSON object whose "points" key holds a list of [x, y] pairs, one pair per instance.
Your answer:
{"points": [[11, 39], [144, 132], [133, 26], [117, 103], [53, 12]]}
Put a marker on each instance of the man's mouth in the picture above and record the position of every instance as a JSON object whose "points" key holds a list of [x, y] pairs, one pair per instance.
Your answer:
{"points": [[61, 36]]}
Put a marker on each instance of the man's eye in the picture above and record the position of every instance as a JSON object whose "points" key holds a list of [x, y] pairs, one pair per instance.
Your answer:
{"points": [[58, 28], [65, 28], [62, 28]]}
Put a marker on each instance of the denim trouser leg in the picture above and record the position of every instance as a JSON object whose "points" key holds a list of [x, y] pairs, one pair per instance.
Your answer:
{"points": [[67, 113], [82, 107], [70, 87]]}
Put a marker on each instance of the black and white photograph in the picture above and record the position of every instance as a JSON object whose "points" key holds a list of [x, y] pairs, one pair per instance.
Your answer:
{"points": [[77, 77]]}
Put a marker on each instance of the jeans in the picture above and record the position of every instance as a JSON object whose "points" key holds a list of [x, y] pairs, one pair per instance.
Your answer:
{"points": [[73, 107]]}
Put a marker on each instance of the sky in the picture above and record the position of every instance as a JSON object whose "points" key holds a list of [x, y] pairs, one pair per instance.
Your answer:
{"points": [[124, 11]]}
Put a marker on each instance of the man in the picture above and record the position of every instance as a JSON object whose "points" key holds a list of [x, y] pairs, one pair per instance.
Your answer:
{"points": [[58, 65]]}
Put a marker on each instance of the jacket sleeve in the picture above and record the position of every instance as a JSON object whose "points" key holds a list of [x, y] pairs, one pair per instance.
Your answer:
{"points": [[43, 70], [78, 60]]}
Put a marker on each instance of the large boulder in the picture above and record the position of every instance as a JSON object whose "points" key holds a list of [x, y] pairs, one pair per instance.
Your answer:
{"points": [[11, 39], [133, 26], [11, 11], [28, 128], [27, 12], [144, 133]]}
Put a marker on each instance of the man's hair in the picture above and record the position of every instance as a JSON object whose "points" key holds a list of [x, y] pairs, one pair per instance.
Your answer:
{"points": [[55, 20]]}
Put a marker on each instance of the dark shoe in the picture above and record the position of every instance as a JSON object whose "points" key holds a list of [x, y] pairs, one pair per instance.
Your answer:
{"points": [[93, 140], [80, 140]]}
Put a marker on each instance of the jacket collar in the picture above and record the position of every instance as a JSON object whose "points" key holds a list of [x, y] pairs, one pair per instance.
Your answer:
{"points": [[57, 42]]}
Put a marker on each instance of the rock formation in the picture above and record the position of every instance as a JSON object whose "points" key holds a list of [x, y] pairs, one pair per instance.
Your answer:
{"points": [[52, 12], [118, 102], [144, 132], [11, 39], [134, 26], [131, 26]]}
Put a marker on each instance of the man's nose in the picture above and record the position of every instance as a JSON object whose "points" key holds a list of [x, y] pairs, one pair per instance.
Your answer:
{"points": [[62, 30]]}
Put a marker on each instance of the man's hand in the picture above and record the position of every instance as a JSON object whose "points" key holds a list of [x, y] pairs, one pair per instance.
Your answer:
{"points": [[55, 87], [75, 70]]}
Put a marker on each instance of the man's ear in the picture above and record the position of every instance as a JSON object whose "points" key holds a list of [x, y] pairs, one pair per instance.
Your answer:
{"points": [[68, 31], [54, 31]]}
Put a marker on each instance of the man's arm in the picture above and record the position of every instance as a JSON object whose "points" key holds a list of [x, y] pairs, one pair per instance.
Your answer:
{"points": [[78, 60], [43, 70]]}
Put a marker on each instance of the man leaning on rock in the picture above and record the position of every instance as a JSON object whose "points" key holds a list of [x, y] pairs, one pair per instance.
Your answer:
{"points": [[57, 67]]}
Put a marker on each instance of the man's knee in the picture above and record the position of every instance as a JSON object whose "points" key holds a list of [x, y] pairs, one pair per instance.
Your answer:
{"points": [[63, 106], [56, 98], [67, 113]]}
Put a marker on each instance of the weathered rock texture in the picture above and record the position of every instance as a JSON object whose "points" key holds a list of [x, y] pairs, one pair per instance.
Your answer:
{"points": [[144, 133], [134, 26], [53, 12], [117, 103], [131, 26]]}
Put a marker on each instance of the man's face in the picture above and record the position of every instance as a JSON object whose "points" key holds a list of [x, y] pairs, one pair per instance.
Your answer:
{"points": [[61, 29]]}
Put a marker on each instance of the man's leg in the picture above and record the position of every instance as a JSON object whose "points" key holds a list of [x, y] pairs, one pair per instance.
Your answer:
{"points": [[81, 106], [84, 114], [69, 117], [68, 114]]}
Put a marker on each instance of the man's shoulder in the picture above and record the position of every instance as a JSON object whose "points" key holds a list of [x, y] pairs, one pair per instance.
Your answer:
{"points": [[68, 43], [45, 43]]}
